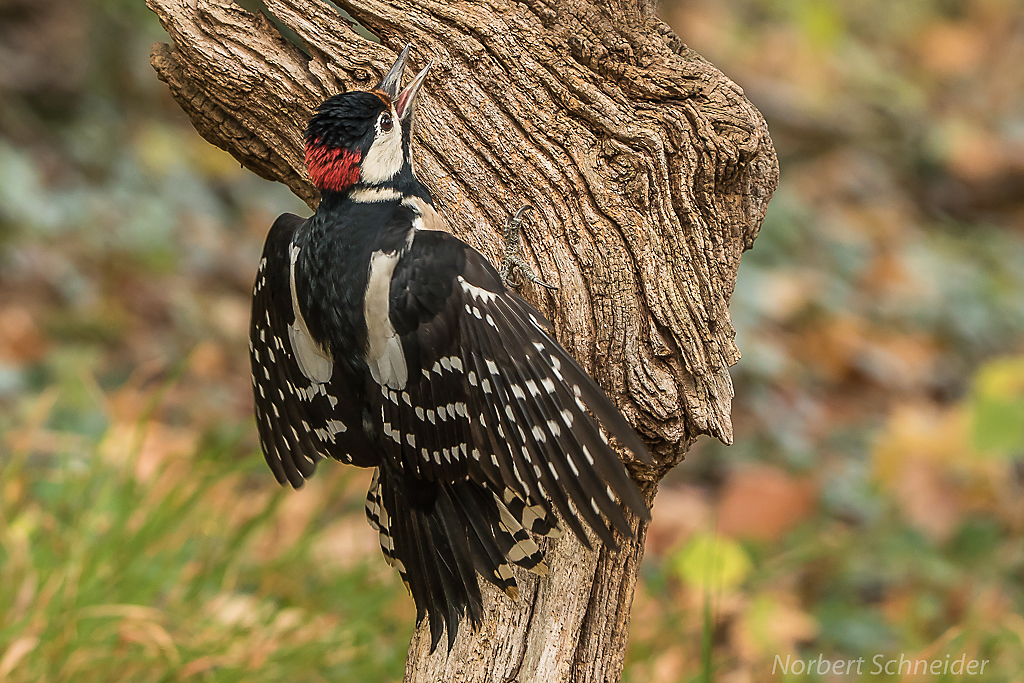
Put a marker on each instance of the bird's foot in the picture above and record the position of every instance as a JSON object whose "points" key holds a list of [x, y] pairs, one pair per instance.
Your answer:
{"points": [[513, 258]]}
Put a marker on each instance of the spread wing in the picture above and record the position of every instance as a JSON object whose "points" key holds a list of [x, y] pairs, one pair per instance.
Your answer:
{"points": [[304, 411], [491, 396]]}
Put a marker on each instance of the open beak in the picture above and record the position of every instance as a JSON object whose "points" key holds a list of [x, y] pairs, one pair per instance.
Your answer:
{"points": [[392, 82], [405, 104]]}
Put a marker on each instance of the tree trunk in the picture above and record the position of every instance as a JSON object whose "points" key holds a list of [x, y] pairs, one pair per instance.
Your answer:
{"points": [[650, 173]]}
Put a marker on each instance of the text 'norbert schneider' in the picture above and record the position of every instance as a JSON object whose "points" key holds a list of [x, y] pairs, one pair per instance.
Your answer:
{"points": [[880, 664]]}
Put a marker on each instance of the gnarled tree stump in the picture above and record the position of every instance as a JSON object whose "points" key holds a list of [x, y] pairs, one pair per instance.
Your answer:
{"points": [[650, 172]]}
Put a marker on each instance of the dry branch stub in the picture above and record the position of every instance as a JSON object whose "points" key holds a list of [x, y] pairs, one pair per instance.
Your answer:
{"points": [[650, 173]]}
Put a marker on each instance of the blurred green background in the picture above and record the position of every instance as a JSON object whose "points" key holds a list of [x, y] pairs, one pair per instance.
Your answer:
{"points": [[872, 503]]}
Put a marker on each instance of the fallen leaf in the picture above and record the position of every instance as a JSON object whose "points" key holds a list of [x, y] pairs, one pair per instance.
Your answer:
{"points": [[208, 361], [914, 458], [763, 503], [952, 49], [20, 338], [971, 152]]}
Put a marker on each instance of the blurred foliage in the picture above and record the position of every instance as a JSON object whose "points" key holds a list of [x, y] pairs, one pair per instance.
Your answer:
{"points": [[872, 502], [147, 556], [709, 563], [140, 536], [997, 408]]}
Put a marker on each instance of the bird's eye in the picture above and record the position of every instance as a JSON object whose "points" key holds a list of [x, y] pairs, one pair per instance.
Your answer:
{"points": [[385, 122]]}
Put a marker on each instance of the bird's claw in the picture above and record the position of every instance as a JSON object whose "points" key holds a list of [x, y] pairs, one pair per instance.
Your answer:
{"points": [[513, 258]]}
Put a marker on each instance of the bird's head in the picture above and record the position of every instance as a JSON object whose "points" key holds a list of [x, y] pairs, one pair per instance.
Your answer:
{"points": [[361, 138]]}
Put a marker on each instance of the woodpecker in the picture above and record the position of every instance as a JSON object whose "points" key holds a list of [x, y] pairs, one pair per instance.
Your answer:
{"points": [[380, 340]]}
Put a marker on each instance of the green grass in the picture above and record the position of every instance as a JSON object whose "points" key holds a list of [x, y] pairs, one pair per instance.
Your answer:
{"points": [[204, 570]]}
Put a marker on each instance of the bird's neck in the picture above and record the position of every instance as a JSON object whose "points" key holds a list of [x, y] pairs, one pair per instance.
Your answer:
{"points": [[401, 188]]}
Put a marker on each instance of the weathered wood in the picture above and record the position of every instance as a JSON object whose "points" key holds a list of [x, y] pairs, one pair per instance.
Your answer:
{"points": [[650, 173]]}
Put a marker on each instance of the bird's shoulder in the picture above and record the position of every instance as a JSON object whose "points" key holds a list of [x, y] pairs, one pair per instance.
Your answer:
{"points": [[281, 234], [439, 271]]}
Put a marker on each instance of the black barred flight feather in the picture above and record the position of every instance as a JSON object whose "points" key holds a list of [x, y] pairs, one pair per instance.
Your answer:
{"points": [[496, 399], [380, 341]]}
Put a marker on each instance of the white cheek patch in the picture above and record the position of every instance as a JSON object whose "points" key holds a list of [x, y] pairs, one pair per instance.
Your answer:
{"points": [[386, 156], [384, 353]]}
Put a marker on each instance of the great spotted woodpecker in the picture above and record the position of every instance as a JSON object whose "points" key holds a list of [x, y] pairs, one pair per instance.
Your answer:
{"points": [[379, 340]]}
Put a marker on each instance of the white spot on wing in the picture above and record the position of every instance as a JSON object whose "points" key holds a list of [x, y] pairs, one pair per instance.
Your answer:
{"points": [[477, 292]]}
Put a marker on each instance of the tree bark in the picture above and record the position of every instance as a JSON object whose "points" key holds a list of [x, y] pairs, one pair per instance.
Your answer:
{"points": [[650, 173]]}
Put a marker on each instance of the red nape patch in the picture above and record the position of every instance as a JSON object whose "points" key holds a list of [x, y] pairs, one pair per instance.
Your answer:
{"points": [[331, 168]]}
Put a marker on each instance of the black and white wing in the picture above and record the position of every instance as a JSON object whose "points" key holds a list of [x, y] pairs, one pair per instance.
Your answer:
{"points": [[492, 395], [487, 396], [303, 412]]}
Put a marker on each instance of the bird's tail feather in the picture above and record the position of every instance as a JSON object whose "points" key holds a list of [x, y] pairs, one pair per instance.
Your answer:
{"points": [[438, 540]]}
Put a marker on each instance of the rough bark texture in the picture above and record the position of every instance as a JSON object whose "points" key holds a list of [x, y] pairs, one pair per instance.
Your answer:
{"points": [[650, 173]]}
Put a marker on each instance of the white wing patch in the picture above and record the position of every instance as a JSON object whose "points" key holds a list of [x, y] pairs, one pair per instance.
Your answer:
{"points": [[384, 354], [313, 361], [477, 292]]}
